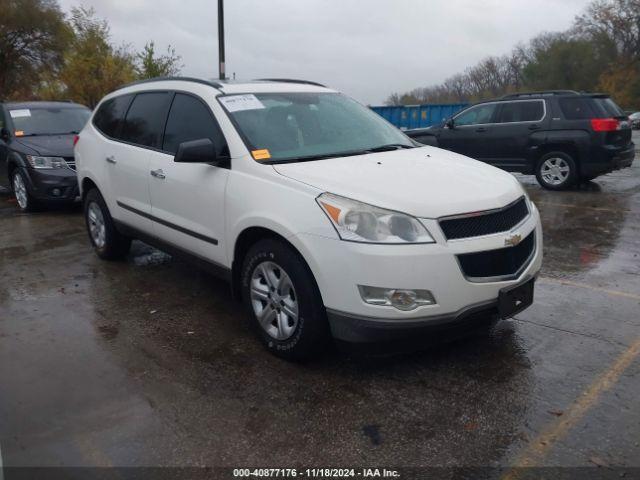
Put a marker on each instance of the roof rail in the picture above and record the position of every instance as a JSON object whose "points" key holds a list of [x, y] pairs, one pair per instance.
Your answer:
{"points": [[540, 94], [290, 80], [182, 79]]}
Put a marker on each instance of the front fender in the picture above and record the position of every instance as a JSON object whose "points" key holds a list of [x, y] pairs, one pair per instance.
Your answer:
{"points": [[14, 160]]}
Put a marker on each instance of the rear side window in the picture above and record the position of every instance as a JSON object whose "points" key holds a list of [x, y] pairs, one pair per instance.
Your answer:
{"points": [[145, 119], [511, 112], [110, 115], [608, 108], [190, 119], [578, 108]]}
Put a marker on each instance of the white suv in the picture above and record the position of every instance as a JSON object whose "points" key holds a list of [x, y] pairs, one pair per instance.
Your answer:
{"points": [[327, 220]]}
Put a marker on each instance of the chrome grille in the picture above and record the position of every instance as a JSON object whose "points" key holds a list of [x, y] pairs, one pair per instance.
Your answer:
{"points": [[488, 222]]}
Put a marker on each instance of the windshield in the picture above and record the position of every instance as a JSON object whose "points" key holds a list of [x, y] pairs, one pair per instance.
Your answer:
{"points": [[48, 121], [309, 126]]}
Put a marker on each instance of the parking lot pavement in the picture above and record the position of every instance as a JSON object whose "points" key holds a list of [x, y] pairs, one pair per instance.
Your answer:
{"points": [[150, 362]]}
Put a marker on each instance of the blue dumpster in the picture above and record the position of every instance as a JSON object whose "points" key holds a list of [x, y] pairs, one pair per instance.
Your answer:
{"points": [[408, 117]]}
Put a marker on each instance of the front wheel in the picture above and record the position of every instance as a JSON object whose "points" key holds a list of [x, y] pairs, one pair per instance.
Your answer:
{"points": [[107, 242], [25, 200], [556, 171], [283, 301]]}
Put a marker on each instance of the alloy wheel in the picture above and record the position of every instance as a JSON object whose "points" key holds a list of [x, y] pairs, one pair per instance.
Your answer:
{"points": [[95, 220], [20, 191], [555, 171], [274, 300]]}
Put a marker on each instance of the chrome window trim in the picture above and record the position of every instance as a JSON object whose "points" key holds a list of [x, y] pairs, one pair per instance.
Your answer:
{"points": [[544, 113]]}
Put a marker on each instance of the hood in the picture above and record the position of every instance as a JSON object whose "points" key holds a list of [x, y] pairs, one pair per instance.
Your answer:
{"points": [[424, 182], [48, 145]]}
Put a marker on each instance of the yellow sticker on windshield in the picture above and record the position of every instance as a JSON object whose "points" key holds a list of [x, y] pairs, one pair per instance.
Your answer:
{"points": [[19, 133], [261, 154]]}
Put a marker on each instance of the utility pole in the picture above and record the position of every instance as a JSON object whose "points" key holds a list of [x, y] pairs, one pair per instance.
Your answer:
{"points": [[221, 70]]}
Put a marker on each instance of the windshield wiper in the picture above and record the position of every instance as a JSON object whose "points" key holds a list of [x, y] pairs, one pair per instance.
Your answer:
{"points": [[388, 148], [382, 148], [323, 156], [47, 134]]}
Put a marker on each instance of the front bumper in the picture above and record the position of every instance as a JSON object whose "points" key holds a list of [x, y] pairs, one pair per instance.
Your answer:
{"points": [[356, 329], [55, 185], [339, 267]]}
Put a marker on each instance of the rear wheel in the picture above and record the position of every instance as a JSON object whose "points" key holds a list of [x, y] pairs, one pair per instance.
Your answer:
{"points": [[556, 171], [107, 242], [283, 301]]}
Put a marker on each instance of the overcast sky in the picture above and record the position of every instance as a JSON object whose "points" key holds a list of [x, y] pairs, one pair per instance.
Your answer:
{"points": [[366, 48]]}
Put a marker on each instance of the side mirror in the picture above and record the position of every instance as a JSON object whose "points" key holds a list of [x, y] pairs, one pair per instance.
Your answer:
{"points": [[4, 134], [450, 123], [196, 151]]}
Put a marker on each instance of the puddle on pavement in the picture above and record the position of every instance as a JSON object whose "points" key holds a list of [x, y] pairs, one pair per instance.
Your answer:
{"points": [[143, 256]]}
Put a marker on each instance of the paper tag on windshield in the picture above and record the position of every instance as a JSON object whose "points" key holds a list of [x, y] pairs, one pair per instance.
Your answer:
{"points": [[238, 103], [20, 113], [261, 154]]}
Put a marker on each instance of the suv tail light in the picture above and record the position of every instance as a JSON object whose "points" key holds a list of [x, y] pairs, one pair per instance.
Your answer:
{"points": [[605, 124], [75, 140]]}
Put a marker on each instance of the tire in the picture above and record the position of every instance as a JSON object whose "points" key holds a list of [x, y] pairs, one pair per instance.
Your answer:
{"points": [[276, 281], [108, 243], [25, 200], [561, 179]]}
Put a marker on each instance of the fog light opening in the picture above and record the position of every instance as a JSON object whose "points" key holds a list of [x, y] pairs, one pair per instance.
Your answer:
{"points": [[403, 299], [400, 299]]}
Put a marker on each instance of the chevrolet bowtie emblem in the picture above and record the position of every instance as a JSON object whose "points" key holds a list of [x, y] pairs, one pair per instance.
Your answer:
{"points": [[513, 240]]}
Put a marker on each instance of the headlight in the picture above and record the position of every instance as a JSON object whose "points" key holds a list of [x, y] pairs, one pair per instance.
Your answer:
{"points": [[46, 162], [358, 222]]}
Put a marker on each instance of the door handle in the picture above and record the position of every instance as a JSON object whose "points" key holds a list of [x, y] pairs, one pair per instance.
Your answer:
{"points": [[481, 129], [111, 159], [158, 174]]}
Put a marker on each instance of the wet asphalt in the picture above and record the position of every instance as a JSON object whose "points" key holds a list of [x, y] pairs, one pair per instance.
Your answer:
{"points": [[151, 362]]}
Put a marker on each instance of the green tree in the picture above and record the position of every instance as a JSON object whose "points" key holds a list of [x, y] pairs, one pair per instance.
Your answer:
{"points": [[563, 62], [150, 65], [93, 67], [33, 37]]}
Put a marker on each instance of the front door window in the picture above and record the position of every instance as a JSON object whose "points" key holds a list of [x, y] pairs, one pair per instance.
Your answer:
{"points": [[478, 115]]}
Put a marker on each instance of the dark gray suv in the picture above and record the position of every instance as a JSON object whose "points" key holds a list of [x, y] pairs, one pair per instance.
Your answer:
{"points": [[560, 136], [36, 150]]}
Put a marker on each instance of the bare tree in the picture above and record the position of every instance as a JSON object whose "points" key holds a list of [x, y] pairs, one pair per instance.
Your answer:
{"points": [[614, 20]]}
